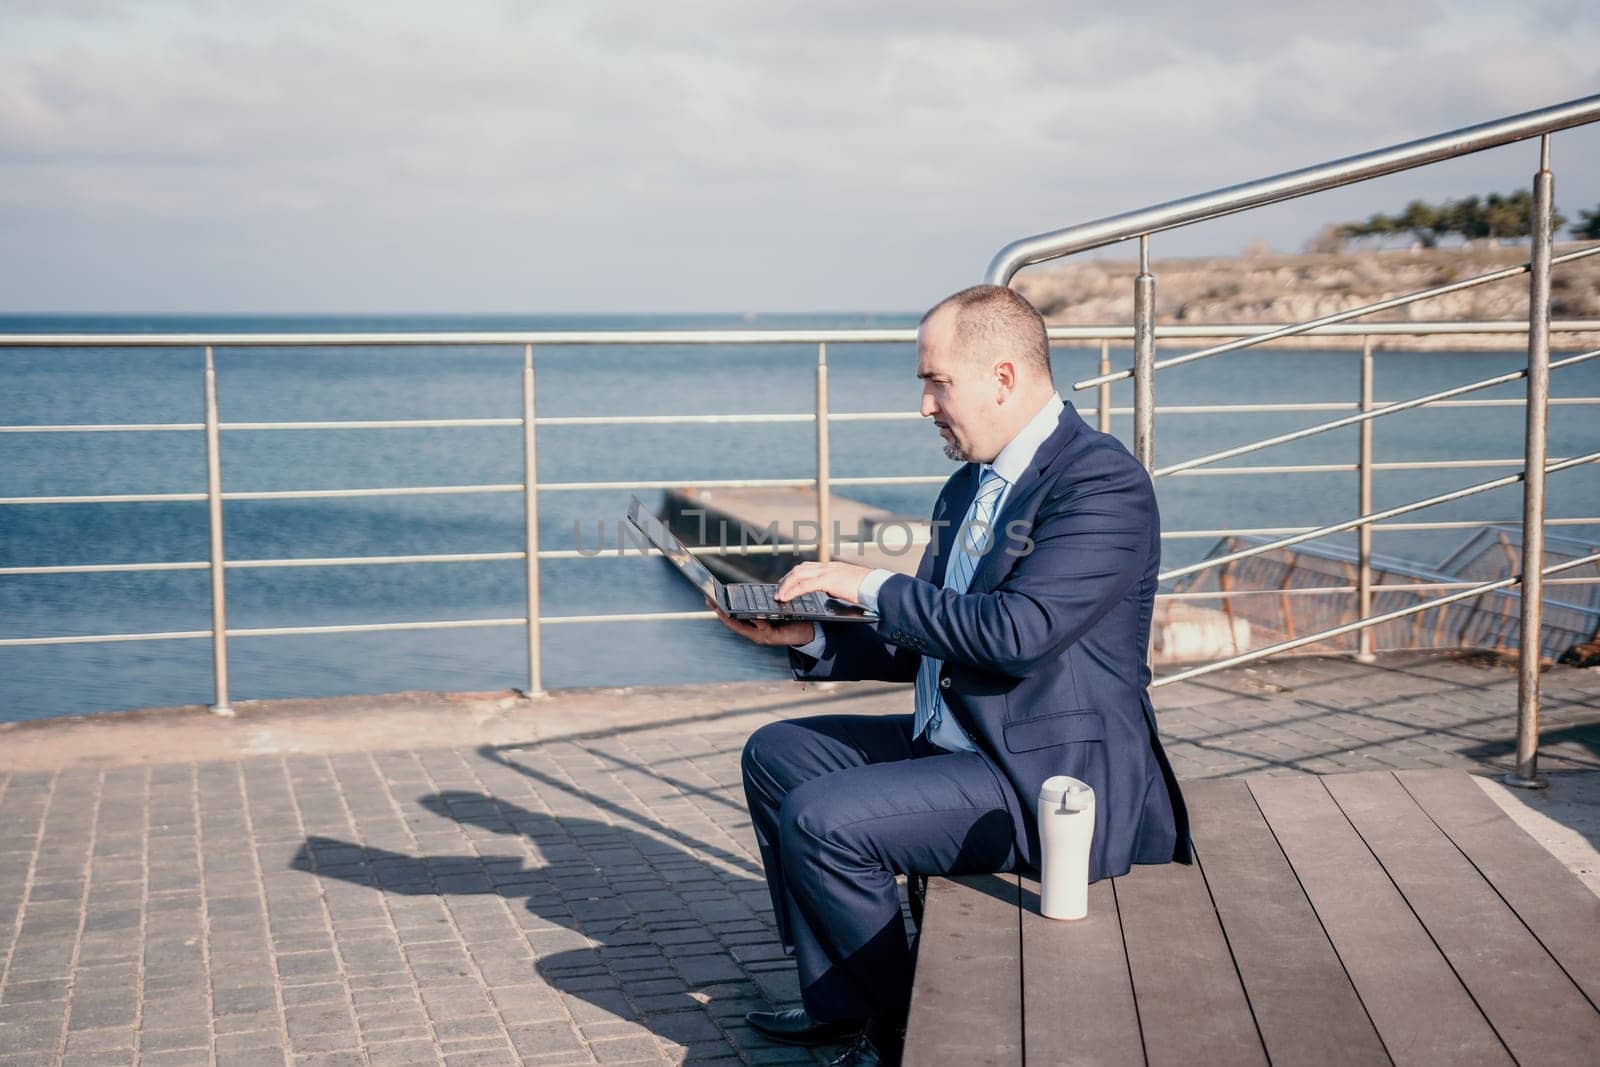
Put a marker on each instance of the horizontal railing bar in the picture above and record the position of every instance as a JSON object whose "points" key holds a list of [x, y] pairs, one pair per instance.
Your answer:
{"points": [[1363, 624], [275, 494], [898, 335], [453, 557], [461, 338], [122, 498], [665, 616], [373, 627], [1373, 517], [445, 490], [674, 483], [371, 561], [556, 420], [874, 416], [1366, 416], [1241, 409], [904, 479], [669, 420], [114, 427], [1249, 531], [248, 564], [1337, 317], [1287, 186], [372, 424], [447, 624], [92, 639], [342, 494], [631, 616], [106, 568], [1292, 468], [666, 420]]}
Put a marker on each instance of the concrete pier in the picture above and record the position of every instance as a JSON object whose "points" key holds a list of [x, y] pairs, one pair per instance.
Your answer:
{"points": [[733, 518]]}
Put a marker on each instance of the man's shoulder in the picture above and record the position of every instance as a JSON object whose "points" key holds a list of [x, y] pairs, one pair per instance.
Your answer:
{"points": [[1092, 456]]}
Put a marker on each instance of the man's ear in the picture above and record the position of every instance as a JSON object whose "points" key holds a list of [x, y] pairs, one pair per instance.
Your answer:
{"points": [[1005, 376]]}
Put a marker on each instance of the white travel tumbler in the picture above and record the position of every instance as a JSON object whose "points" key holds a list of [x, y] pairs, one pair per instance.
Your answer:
{"points": [[1066, 830]]}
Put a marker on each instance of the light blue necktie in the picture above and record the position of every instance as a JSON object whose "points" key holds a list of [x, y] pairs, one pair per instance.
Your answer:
{"points": [[973, 538]]}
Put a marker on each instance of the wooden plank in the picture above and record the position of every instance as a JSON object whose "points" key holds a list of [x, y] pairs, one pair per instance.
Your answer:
{"points": [[1192, 1008], [966, 1001], [1534, 1007], [1420, 1009], [1304, 1005], [1077, 999], [1560, 910]]}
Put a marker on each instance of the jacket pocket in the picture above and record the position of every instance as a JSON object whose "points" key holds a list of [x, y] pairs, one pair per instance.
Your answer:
{"points": [[1057, 728]]}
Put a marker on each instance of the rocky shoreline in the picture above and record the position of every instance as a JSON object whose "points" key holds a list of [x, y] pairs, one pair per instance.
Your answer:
{"points": [[1276, 288]]}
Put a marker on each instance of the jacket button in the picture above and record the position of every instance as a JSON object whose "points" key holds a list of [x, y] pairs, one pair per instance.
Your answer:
{"points": [[944, 683]]}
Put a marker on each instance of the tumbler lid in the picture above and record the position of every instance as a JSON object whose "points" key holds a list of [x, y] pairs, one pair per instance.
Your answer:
{"points": [[1067, 792]]}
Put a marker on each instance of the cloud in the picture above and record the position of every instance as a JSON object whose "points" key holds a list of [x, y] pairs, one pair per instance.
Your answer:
{"points": [[629, 156]]}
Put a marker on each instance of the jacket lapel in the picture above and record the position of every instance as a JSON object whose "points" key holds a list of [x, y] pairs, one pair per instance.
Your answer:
{"points": [[957, 501], [997, 562]]}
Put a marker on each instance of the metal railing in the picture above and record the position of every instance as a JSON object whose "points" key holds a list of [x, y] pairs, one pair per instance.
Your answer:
{"points": [[1534, 465], [529, 422]]}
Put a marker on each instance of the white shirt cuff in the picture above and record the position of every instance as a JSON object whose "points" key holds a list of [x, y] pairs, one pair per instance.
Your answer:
{"points": [[870, 585], [816, 645]]}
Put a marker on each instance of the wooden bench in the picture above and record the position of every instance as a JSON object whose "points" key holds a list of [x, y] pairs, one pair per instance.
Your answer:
{"points": [[1351, 919]]}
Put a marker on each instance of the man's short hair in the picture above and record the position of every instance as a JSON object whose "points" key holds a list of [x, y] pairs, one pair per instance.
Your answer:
{"points": [[992, 320]]}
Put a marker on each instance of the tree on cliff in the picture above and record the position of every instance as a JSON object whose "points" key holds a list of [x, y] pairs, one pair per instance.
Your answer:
{"points": [[1494, 217], [1422, 221], [1587, 227]]}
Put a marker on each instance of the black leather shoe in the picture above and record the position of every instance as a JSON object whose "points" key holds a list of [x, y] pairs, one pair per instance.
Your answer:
{"points": [[795, 1027], [864, 1054]]}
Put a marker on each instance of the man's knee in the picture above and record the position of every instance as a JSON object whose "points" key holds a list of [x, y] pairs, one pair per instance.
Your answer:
{"points": [[808, 819], [760, 750]]}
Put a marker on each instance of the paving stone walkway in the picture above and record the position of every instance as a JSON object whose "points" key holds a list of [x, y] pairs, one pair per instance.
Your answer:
{"points": [[589, 894]]}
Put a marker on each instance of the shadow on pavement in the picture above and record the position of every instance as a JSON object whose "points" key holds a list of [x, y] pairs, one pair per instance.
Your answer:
{"points": [[637, 907]]}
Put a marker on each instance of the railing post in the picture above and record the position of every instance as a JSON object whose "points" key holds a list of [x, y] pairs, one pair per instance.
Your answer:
{"points": [[219, 584], [1364, 653], [824, 478], [1144, 359], [530, 516], [1103, 400], [1526, 774]]}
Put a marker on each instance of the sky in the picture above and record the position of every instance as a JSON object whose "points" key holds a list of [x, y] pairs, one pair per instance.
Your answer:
{"points": [[614, 157]]}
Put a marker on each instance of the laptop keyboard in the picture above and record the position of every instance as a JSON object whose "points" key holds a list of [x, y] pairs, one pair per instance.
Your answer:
{"points": [[755, 597]]}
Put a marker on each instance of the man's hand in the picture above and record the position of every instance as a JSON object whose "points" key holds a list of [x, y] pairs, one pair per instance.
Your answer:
{"points": [[763, 632], [841, 580]]}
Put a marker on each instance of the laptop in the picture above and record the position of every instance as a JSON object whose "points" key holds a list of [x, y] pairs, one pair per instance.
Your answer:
{"points": [[741, 600]]}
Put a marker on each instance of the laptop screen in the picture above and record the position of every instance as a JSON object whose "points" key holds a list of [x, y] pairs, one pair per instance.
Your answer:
{"points": [[674, 549]]}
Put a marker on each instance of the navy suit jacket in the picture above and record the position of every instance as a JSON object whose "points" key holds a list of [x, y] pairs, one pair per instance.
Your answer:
{"points": [[1044, 657]]}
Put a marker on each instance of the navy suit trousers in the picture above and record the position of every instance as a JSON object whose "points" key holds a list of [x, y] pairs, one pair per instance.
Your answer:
{"points": [[841, 805]]}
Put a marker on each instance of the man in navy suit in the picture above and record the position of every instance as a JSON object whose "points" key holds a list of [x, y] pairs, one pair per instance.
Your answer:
{"points": [[1025, 631]]}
